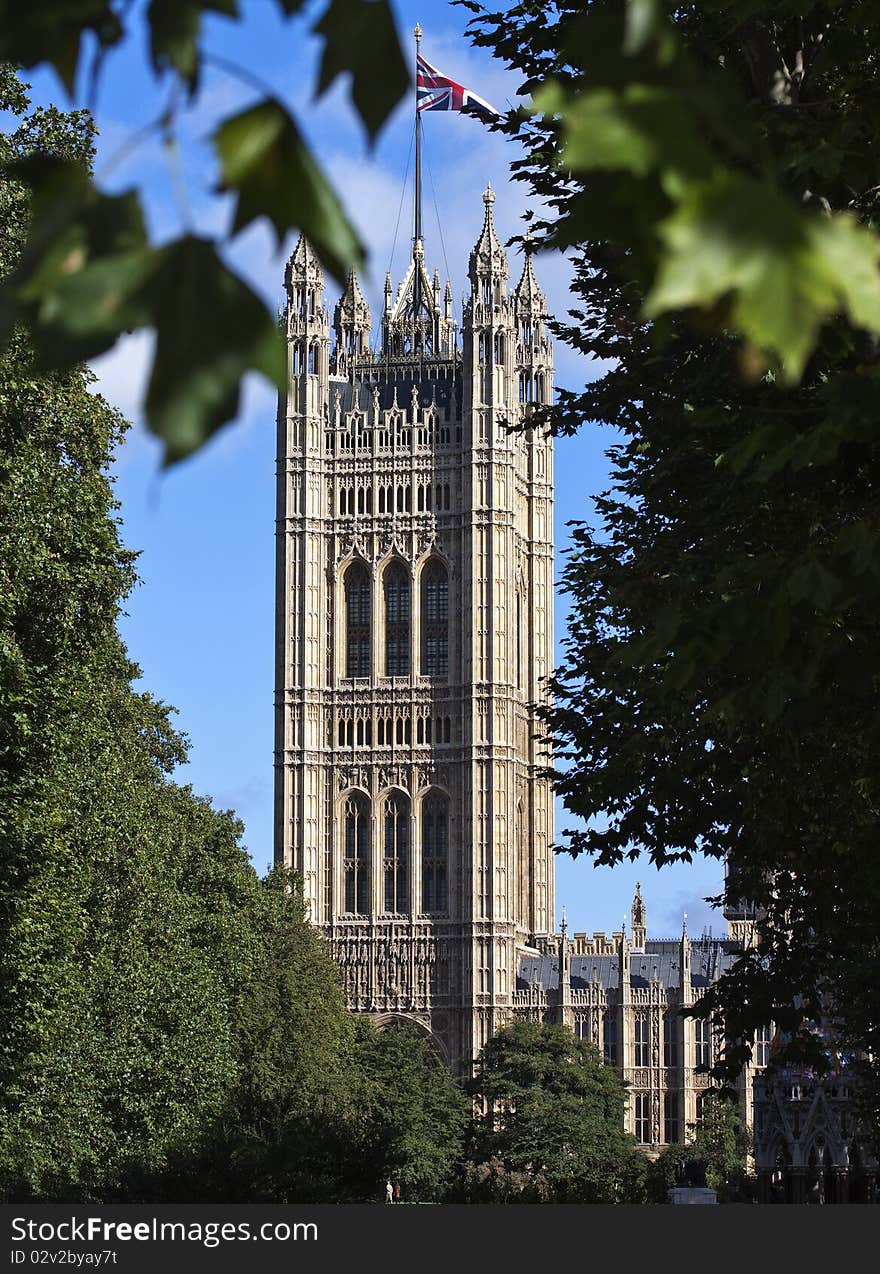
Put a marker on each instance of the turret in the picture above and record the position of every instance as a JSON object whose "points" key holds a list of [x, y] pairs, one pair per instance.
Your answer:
{"points": [[352, 323], [308, 332]]}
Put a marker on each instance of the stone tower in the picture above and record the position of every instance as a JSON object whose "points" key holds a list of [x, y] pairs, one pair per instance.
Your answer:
{"points": [[414, 630]]}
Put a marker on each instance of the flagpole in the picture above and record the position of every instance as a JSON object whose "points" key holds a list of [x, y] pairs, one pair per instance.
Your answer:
{"points": [[417, 211]]}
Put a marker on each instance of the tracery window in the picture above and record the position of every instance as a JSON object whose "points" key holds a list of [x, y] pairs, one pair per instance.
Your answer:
{"points": [[762, 1045], [670, 1039], [357, 620], [643, 1118], [702, 1042], [435, 620], [670, 1118], [397, 612], [435, 853], [357, 854], [642, 1056], [609, 1028], [396, 859]]}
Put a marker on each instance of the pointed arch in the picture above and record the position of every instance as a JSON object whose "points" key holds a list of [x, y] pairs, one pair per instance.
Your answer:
{"points": [[356, 851], [396, 591], [435, 853], [358, 607], [435, 618], [396, 842]]}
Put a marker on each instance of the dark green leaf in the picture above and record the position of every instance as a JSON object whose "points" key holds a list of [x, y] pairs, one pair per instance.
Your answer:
{"points": [[210, 330], [52, 32], [175, 30], [265, 160], [361, 38]]}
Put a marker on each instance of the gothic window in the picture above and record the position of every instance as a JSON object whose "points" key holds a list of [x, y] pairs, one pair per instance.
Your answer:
{"points": [[357, 621], [670, 1039], [642, 1055], [498, 353], [313, 359], [702, 1042], [396, 859], [435, 852], [539, 387], [670, 1118], [581, 1027], [609, 1027], [525, 387], [357, 855], [643, 1118], [762, 1046], [396, 581], [435, 620]]}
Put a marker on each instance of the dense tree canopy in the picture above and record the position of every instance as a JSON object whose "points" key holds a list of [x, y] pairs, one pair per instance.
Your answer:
{"points": [[719, 687], [553, 1124], [152, 988]]}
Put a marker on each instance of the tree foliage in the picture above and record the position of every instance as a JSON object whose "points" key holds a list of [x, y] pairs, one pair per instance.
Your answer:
{"points": [[88, 273], [552, 1130], [721, 1143], [718, 691], [409, 1116], [153, 990]]}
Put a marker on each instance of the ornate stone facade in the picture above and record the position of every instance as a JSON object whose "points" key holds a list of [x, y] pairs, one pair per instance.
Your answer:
{"points": [[626, 996], [414, 631]]}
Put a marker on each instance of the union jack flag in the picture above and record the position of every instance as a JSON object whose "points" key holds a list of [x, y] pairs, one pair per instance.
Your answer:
{"points": [[437, 92]]}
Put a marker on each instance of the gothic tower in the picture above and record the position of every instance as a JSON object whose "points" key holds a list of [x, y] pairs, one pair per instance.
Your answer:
{"points": [[414, 630]]}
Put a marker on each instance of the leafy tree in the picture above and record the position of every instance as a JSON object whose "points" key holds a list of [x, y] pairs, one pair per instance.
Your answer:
{"points": [[409, 1116], [152, 988], [721, 1142], [718, 692], [553, 1123]]}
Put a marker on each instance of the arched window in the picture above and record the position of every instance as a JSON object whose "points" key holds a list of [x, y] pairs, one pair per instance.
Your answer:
{"points": [[435, 853], [396, 860], [702, 1042], [396, 581], [641, 1040], [357, 621], [357, 855], [435, 620]]}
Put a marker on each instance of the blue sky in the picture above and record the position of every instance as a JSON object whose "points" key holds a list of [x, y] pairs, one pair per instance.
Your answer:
{"points": [[201, 623]]}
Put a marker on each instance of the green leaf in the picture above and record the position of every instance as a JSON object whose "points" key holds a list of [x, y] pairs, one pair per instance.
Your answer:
{"points": [[361, 38], [265, 160], [175, 29], [210, 330], [84, 261], [52, 31], [783, 272], [640, 129]]}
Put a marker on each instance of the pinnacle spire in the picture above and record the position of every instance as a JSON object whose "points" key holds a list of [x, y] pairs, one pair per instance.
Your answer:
{"points": [[528, 292], [488, 255]]}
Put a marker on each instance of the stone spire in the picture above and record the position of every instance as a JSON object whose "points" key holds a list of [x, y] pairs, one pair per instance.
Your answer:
{"points": [[488, 258], [529, 297], [304, 265], [639, 920], [351, 323]]}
